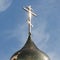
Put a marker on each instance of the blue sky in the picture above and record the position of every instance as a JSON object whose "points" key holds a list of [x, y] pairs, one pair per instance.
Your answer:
{"points": [[14, 29]]}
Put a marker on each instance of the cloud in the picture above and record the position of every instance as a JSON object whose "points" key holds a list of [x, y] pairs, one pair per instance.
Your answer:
{"points": [[40, 35], [4, 4], [54, 56], [19, 32]]}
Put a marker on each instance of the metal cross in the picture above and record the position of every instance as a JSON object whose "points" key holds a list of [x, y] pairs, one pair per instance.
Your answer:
{"points": [[30, 13]]}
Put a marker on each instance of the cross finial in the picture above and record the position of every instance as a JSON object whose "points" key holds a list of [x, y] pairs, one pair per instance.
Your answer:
{"points": [[30, 13]]}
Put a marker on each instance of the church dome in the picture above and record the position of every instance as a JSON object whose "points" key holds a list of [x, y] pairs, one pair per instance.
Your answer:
{"points": [[30, 52]]}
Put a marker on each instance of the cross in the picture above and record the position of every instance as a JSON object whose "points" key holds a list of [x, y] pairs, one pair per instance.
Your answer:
{"points": [[30, 13]]}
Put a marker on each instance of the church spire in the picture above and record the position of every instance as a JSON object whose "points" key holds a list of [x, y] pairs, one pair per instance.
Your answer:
{"points": [[30, 13], [29, 51]]}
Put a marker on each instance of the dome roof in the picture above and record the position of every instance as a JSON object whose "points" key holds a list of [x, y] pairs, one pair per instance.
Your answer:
{"points": [[29, 52]]}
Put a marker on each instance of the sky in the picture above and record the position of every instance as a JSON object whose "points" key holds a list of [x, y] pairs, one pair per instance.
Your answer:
{"points": [[14, 29]]}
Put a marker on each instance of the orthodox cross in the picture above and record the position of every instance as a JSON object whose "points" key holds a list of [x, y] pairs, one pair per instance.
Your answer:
{"points": [[30, 13]]}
